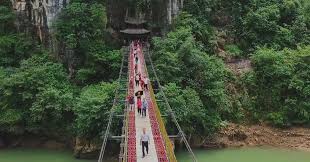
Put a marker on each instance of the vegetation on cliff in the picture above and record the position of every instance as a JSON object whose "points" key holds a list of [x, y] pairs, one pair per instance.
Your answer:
{"points": [[58, 94], [274, 35], [70, 92]]}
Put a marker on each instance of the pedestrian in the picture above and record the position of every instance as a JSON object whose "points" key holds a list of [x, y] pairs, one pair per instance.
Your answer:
{"points": [[137, 59], [139, 106], [146, 82], [135, 52], [142, 84], [144, 141], [131, 82], [139, 95], [145, 106], [136, 68], [137, 79], [131, 102]]}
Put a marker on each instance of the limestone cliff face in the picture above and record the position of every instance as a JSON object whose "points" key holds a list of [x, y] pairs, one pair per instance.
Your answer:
{"points": [[158, 12], [173, 8], [36, 16]]}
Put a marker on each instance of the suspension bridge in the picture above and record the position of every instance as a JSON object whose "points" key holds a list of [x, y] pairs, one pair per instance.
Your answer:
{"points": [[161, 148]]}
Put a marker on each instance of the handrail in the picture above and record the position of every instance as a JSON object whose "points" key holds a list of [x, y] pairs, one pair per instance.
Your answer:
{"points": [[168, 144], [131, 135], [126, 135], [124, 141], [167, 141], [123, 145], [125, 153], [105, 139], [171, 112]]}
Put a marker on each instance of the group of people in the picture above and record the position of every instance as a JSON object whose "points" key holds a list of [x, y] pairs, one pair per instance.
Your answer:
{"points": [[144, 82], [141, 84]]}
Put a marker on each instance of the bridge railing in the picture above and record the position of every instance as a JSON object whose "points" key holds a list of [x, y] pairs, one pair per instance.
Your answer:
{"points": [[168, 144], [169, 148], [130, 123], [162, 127], [112, 110]]}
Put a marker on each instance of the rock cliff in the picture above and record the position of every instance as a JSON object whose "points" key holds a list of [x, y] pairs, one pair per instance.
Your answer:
{"points": [[36, 16]]}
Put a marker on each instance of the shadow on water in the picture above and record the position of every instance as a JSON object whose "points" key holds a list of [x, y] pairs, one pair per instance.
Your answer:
{"points": [[38, 155]]}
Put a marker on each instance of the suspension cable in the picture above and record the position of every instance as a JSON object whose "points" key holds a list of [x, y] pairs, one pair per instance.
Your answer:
{"points": [[111, 114], [123, 156], [171, 111]]}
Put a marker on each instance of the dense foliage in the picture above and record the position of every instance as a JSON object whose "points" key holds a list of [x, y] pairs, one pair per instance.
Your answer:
{"points": [[69, 92], [81, 33], [272, 34], [92, 108], [192, 115], [181, 60], [280, 85], [36, 97], [13, 46], [58, 94], [273, 23]]}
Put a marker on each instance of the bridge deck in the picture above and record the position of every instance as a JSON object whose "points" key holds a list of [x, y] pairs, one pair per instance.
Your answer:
{"points": [[140, 124], [144, 122]]}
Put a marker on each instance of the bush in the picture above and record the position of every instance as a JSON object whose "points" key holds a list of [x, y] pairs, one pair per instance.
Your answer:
{"points": [[277, 119], [191, 114], [92, 109], [233, 50], [36, 97], [279, 85]]}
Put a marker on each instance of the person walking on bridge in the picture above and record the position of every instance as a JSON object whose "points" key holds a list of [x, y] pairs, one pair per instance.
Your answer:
{"points": [[146, 83], [136, 68], [145, 106], [139, 106], [144, 141], [135, 52], [137, 78], [142, 84], [131, 101], [137, 59]]}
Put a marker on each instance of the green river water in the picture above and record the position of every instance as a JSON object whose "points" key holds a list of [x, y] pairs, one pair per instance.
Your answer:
{"points": [[224, 155]]}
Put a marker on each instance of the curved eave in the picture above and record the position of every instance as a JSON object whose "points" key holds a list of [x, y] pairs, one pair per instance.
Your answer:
{"points": [[135, 22], [135, 31]]}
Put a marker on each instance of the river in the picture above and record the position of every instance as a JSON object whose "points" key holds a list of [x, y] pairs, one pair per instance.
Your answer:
{"points": [[256, 154]]}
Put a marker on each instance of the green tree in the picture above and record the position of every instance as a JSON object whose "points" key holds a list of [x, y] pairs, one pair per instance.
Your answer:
{"points": [[297, 103], [36, 97], [13, 46], [193, 117], [92, 109], [7, 18], [81, 29], [179, 59], [279, 84], [262, 24]]}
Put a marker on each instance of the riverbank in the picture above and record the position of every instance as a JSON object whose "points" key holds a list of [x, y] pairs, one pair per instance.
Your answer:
{"points": [[230, 136], [234, 135], [245, 154]]}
